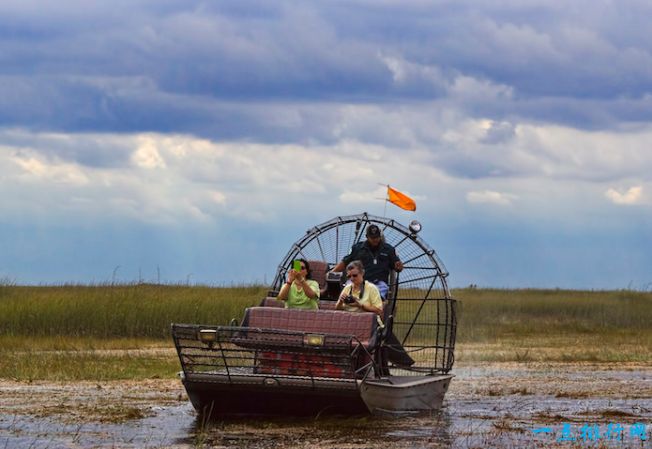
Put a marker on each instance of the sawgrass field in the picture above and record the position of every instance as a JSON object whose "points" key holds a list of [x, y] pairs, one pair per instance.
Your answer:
{"points": [[103, 332]]}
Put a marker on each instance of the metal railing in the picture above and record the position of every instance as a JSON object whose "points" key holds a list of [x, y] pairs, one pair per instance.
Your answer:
{"points": [[229, 354]]}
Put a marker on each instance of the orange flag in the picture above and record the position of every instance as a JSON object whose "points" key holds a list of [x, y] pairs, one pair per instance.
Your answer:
{"points": [[400, 199]]}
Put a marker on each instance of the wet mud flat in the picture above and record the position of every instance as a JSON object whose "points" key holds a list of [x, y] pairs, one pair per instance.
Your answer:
{"points": [[501, 405]]}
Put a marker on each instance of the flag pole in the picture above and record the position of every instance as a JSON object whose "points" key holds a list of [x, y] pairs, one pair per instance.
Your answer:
{"points": [[386, 199]]}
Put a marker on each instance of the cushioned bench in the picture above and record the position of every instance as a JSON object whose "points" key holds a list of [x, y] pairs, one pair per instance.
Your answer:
{"points": [[308, 342], [361, 325], [327, 305]]}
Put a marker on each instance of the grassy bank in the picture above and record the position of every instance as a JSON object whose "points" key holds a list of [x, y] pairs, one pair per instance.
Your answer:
{"points": [[86, 365], [84, 332], [554, 326]]}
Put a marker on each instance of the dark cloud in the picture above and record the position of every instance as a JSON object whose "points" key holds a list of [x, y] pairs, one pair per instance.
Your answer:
{"points": [[211, 68]]}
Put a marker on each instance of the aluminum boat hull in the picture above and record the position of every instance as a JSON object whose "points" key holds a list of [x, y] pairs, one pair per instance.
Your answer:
{"points": [[215, 397]]}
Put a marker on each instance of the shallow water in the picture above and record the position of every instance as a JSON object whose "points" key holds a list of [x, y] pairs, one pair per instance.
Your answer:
{"points": [[497, 405], [168, 425]]}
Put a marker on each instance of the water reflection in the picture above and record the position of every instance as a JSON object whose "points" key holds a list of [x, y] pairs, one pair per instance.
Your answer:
{"points": [[415, 432]]}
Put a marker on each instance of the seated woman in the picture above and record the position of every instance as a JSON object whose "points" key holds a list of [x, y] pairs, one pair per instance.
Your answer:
{"points": [[300, 292], [359, 295]]}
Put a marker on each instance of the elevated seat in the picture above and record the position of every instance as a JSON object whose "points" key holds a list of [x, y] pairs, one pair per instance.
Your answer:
{"points": [[319, 269]]}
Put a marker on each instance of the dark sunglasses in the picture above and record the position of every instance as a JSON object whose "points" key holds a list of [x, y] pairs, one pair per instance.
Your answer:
{"points": [[303, 267], [352, 275]]}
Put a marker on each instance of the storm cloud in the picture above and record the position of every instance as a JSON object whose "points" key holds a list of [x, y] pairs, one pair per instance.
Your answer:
{"points": [[189, 118], [210, 68]]}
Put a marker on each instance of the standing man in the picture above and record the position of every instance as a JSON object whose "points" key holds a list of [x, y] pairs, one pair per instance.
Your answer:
{"points": [[377, 256]]}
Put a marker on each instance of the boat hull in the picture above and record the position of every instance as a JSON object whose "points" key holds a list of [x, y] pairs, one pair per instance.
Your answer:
{"points": [[217, 400], [277, 396], [405, 394]]}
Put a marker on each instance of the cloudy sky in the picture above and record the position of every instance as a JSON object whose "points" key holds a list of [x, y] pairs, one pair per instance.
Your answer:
{"points": [[190, 141]]}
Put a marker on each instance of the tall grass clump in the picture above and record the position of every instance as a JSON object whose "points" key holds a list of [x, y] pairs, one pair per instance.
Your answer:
{"points": [[489, 314], [118, 311], [6, 285]]}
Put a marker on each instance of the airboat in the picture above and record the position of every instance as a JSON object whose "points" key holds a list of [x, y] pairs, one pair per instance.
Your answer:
{"points": [[278, 361]]}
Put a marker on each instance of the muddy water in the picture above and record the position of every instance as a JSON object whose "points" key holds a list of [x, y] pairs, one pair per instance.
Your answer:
{"points": [[491, 405]]}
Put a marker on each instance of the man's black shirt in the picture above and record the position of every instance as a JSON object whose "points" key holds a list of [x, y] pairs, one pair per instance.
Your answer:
{"points": [[377, 262]]}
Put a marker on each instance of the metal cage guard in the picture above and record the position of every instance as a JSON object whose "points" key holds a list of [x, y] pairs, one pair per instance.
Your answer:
{"points": [[234, 354], [424, 314]]}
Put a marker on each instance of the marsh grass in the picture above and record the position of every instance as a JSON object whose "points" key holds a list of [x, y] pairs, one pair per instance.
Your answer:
{"points": [[84, 365], [554, 325], [118, 311], [486, 315], [17, 343], [75, 332], [568, 350]]}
